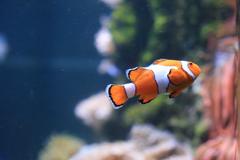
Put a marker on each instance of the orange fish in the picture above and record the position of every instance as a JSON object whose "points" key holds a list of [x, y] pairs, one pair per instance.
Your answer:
{"points": [[162, 76]]}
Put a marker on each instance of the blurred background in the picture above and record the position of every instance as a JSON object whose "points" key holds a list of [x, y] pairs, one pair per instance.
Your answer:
{"points": [[56, 58], [48, 65]]}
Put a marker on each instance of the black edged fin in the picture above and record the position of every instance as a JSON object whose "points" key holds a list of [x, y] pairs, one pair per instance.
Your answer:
{"points": [[134, 73], [159, 61], [175, 94], [110, 95], [145, 100]]}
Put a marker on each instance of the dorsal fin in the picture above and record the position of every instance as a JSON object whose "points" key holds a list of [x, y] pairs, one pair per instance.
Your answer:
{"points": [[159, 61], [134, 73], [166, 62]]}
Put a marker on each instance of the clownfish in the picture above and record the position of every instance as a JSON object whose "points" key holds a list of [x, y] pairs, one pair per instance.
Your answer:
{"points": [[162, 76]]}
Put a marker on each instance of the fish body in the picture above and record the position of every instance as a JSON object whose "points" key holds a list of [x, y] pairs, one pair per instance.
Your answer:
{"points": [[162, 76]]}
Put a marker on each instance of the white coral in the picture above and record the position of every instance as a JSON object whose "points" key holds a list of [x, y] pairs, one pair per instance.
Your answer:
{"points": [[95, 110], [145, 143], [104, 41]]}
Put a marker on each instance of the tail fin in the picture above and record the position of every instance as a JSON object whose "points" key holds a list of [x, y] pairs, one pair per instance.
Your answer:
{"points": [[119, 94]]}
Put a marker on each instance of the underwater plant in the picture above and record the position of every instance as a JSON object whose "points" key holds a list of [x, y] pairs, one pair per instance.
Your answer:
{"points": [[146, 30]]}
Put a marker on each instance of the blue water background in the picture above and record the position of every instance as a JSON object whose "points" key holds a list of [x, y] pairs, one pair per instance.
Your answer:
{"points": [[51, 66]]}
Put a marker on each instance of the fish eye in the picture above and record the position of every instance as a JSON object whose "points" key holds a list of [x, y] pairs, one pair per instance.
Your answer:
{"points": [[190, 63]]}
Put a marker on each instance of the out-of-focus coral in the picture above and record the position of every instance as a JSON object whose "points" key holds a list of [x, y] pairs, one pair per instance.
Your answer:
{"points": [[95, 110], [220, 148], [60, 147], [112, 3], [104, 41], [108, 67], [145, 143], [219, 101], [181, 119], [238, 96], [220, 94], [4, 48]]}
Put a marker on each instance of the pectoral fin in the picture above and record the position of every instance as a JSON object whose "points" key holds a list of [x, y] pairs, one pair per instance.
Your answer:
{"points": [[134, 73], [176, 77]]}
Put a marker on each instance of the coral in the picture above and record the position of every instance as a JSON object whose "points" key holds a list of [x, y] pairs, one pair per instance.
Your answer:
{"points": [[60, 147], [174, 115], [220, 148], [95, 110], [218, 94], [104, 42], [145, 143]]}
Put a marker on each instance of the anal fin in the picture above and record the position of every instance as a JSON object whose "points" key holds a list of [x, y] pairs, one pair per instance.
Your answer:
{"points": [[134, 73], [175, 94]]}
